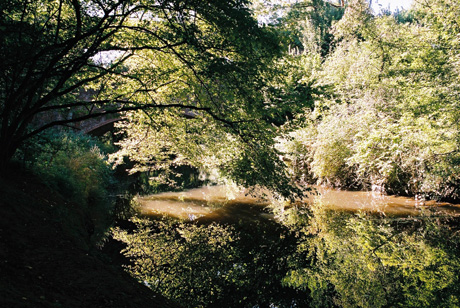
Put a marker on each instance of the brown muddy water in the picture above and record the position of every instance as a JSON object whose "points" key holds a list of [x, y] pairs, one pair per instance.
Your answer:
{"points": [[222, 203]]}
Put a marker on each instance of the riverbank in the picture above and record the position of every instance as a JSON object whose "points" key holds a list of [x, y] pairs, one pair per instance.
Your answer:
{"points": [[46, 255]]}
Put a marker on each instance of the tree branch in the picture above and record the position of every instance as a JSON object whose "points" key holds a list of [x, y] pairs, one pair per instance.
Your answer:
{"points": [[208, 110]]}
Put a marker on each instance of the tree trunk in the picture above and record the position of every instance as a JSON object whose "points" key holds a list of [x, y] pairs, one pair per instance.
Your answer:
{"points": [[7, 150]]}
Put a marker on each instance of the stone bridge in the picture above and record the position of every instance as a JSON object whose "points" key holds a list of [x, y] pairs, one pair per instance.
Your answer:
{"points": [[97, 126], [101, 125]]}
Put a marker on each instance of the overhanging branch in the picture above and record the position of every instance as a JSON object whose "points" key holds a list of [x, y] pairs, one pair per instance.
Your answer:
{"points": [[208, 110]]}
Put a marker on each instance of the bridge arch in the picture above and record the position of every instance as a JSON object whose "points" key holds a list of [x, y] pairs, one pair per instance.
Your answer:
{"points": [[101, 127]]}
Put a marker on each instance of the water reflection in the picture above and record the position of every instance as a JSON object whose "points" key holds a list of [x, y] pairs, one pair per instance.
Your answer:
{"points": [[333, 253], [221, 203], [213, 203], [376, 202]]}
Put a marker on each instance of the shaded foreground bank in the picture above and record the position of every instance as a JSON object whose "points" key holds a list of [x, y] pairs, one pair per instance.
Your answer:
{"points": [[46, 259]]}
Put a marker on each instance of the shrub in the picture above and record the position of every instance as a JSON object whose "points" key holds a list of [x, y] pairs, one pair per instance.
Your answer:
{"points": [[73, 165]]}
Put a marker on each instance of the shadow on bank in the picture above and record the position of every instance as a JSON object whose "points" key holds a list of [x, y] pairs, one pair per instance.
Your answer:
{"points": [[47, 258]]}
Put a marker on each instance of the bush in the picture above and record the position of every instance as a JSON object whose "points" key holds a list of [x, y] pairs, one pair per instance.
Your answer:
{"points": [[361, 146], [73, 165]]}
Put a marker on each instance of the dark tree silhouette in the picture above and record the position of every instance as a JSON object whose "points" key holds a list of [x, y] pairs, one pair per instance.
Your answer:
{"points": [[49, 52]]}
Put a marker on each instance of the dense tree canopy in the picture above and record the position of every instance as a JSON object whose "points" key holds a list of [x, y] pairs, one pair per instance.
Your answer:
{"points": [[203, 83], [125, 53], [388, 117]]}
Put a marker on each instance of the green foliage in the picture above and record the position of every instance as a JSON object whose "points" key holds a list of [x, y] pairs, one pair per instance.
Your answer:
{"points": [[367, 261], [223, 122], [204, 55], [211, 265], [74, 166], [289, 88], [305, 26], [389, 117], [237, 143]]}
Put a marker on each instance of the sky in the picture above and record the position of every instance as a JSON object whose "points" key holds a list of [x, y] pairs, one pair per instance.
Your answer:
{"points": [[391, 4]]}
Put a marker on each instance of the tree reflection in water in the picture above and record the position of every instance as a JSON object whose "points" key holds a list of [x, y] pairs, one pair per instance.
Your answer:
{"points": [[309, 257], [364, 260]]}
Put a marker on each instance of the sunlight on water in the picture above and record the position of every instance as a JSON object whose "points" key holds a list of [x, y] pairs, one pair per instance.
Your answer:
{"points": [[215, 202], [376, 202], [224, 203]]}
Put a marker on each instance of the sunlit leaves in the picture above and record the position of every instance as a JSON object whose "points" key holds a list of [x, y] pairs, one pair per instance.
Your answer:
{"points": [[391, 116]]}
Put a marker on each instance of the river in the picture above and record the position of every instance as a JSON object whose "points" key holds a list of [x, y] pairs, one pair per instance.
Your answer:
{"points": [[334, 249], [221, 203]]}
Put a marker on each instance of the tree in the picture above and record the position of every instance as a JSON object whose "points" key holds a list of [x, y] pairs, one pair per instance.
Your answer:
{"points": [[390, 119], [51, 50]]}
